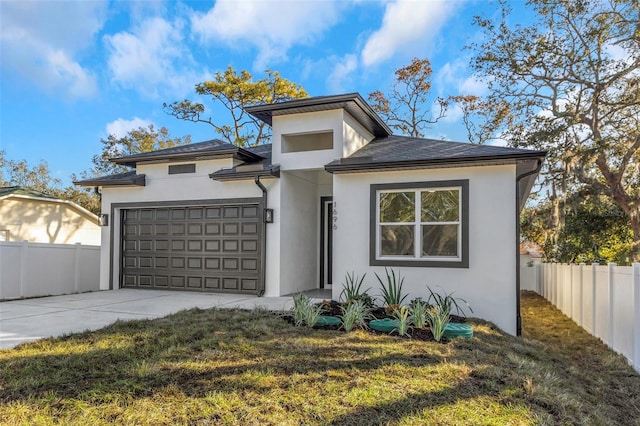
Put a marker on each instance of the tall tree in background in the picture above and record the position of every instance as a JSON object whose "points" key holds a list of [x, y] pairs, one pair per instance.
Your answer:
{"points": [[20, 173], [235, 91], [136, 141], [572, 82], [407, 107]]}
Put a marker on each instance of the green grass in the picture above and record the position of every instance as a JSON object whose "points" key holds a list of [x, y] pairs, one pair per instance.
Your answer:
{"points": [[251, 367]]}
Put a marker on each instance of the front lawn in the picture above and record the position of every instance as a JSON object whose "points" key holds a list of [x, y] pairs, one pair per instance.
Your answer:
{"points": [[242, 367]]}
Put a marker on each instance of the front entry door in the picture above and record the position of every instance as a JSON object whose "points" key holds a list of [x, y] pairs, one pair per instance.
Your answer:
{"points": [[326, 241]]}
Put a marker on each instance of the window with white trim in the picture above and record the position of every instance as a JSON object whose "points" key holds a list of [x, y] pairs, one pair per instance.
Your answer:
{"points": [[420, 224]]}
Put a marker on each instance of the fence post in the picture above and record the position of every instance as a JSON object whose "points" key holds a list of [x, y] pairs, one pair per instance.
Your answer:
{"points": [[594, 302], [24, 252], [611, 295], [572, 292], [635, 280], [581, 300], [76, 267], [1, 270], [554, 290]]}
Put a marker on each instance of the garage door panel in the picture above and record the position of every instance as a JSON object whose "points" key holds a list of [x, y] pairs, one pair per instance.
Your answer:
{"points": [[198, 248]]}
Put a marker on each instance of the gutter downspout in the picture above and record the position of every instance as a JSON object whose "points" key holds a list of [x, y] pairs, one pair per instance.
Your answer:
{"points": [[518, 179], [263, 270]]}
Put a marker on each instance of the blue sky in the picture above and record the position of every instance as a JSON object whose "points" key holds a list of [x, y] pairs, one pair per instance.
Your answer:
{"points": [[74, 71]]}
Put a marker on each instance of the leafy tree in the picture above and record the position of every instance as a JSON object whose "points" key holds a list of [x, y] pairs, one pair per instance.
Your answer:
{"points": [[136, 141], [572, 82], [595, 230], [482, 117], [20, 173], [235, 91], [406, 107]]}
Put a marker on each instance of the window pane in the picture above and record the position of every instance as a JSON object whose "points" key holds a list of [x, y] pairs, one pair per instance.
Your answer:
{"points": [[397, 206], [440, 206], [396, 240], [440, 240]]}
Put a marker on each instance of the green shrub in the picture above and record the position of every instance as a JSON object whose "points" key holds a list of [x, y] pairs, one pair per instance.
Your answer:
{"points": [[447, 302], [438, 318], [304, 312], [392, 290], [355, 314], [418, 311], [352, 290], [402, 315]]}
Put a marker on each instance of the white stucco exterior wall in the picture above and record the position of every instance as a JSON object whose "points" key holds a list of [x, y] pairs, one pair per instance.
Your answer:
{"points": [[488, 284], [312, 122], [354, 135], [189, 187], [299, 239]]}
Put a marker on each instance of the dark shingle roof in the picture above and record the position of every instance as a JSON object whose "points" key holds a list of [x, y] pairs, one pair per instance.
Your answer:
{"points": [[20, 190], [210, 148], [353, 103], [407, 152], [249, 170], [122, 179]]}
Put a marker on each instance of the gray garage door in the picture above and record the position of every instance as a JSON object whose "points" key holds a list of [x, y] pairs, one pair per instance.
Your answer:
{"points": [[212, 248]]}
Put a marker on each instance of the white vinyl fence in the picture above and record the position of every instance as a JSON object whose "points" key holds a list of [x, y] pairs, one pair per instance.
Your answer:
{"points": [[602, 299], [38, 269]]}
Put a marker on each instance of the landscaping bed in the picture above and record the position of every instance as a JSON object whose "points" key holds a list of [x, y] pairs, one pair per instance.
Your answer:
{"points": [[428, 319], [334, 309]]}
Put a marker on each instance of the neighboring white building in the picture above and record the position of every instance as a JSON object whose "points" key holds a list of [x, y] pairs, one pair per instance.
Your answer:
{"points": [[29, 215], [334, 193]]}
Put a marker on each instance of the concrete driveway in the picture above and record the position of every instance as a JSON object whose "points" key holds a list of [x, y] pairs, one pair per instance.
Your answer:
{"points": [[32, 319]]}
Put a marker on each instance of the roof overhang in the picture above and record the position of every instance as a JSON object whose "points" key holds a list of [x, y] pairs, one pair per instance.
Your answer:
{"points": [[364, 164], [237, 173], [149, 158], [353, 103], [126, 179]]}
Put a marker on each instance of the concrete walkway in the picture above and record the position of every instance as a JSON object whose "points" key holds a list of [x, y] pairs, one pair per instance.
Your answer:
{"points": [[32, 319]]}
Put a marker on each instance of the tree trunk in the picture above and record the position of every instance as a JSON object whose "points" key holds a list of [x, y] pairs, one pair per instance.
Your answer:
{"points": [[634, 221]]}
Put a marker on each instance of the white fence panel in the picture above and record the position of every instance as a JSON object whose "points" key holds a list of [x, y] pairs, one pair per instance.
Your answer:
{"points": [[588, 294], [604, 300], [622, 311], [38, 269], [602, 303]]}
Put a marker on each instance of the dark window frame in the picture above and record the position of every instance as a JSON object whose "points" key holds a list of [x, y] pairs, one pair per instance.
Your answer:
{"points": [[463, 262]]}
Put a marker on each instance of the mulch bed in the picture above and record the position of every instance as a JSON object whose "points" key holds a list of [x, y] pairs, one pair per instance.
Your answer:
{"points": [[332, 308]]}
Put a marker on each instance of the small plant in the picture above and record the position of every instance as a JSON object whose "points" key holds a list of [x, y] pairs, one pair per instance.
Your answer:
{"points": [[392, 290], [304, 312], [402, 315], [447, 302], [418, 311], [438, 318], [300, 303], [353, 290], [354, 315]]}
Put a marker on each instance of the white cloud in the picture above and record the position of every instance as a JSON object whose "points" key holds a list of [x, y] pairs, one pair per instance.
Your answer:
{"points": [[406, 24], [457, 78], [341, 73], [152, 59], [39, 41], [120, 127], [273, 27]]}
